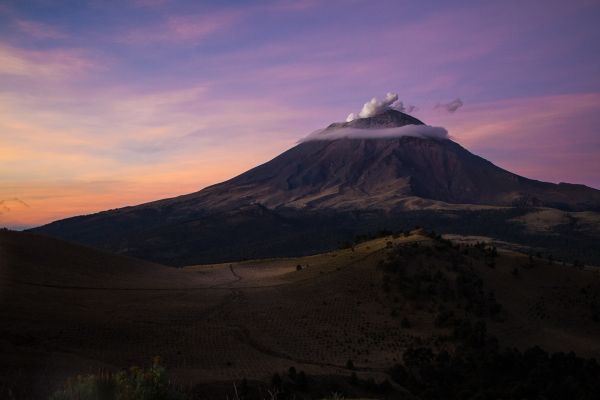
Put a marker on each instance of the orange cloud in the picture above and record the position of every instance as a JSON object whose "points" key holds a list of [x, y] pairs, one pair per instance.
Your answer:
{"points": [[52, 199]]}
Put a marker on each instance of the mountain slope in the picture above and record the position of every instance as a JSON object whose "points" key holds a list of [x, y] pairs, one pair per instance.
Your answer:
{"points": [[312, 184], [382, 173]]}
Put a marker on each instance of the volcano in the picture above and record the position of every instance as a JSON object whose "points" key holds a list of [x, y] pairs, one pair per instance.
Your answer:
{"points": [[385, 173], [329, 179]]}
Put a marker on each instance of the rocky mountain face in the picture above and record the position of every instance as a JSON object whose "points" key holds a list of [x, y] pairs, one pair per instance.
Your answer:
{"points": [[384, 173], [382, 176]]}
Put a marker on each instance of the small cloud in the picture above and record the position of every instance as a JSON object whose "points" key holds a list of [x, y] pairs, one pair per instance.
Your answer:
{"points": [[295, 5], [400, 106], [164, 144], [43, 64], [182, 28], [21, 202], [149, 3], [39, 30], [451, 107]]}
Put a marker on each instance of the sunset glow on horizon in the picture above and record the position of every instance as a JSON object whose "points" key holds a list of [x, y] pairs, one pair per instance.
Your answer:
{"points": [[109, 104]]}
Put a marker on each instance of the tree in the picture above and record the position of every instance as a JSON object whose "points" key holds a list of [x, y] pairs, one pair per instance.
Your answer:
{"points": [[292, 373]]}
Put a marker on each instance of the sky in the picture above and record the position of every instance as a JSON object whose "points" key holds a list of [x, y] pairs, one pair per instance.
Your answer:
{"points": [[106, 103]]}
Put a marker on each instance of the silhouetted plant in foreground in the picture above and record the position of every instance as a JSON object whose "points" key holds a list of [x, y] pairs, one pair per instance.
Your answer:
{"points": [[133, 384]]}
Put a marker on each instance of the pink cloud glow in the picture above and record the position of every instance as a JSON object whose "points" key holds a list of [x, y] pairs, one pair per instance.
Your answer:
{"points": [[45, 64], [182, 28]]}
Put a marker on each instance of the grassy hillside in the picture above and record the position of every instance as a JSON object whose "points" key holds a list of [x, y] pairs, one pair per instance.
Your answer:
{"points": [[67, 309]]}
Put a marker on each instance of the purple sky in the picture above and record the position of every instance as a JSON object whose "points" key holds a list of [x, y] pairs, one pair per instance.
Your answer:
{"points": [[110, 103]]}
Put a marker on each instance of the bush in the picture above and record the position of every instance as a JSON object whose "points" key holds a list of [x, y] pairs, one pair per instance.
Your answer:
{"points": [[133, 384], [88, 387]]}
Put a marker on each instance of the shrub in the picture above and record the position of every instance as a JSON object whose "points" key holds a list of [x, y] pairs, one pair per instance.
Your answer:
{"points": [[292, 373], [132, 384], [88, 387]]}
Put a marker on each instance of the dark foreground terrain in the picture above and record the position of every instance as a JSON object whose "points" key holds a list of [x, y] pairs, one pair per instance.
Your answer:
{"points": [[403, 316]]}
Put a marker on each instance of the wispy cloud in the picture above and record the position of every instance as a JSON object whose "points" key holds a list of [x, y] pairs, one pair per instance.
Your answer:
{"points": [[421, 131], [39, 30], [158, 143], [451, 106], [7, 203], [12, 206], [163, 145], [293, 5], [182, 28], [45, 64], [150, 3]]}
